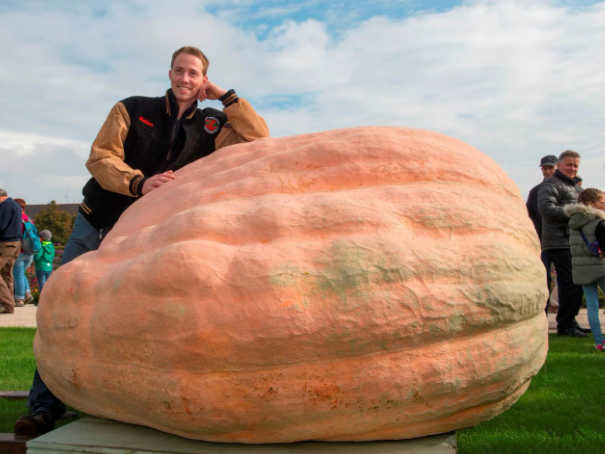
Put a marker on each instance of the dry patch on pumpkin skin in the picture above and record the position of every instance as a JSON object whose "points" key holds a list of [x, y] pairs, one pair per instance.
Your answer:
{"points": [[341, 291], [347, 268], [350, 271]]}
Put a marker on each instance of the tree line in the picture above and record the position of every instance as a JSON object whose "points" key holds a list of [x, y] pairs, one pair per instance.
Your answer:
{"points": [[57, 221]]}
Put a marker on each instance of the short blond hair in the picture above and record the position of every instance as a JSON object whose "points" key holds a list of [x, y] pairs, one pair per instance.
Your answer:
{"points": [[569, 154], [192, 51]]}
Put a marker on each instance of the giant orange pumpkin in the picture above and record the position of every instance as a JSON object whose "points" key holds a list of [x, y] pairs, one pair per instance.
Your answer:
{"points": [[358, 284]]}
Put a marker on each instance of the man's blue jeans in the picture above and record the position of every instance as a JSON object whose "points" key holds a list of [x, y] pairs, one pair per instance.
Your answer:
{"points": [[23, 262], [592, 309], [84, 238]]}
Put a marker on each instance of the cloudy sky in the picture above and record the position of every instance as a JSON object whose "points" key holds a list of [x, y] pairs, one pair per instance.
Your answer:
{"points": [[516, 79]]}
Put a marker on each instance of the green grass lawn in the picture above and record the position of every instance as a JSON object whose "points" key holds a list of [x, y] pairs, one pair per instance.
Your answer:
{"points": [[17, 365], [562, 412], [17, 361]]}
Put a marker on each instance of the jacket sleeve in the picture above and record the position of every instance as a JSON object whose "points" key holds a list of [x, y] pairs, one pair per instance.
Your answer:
{"points": [[244, 124], [532, 210], [106, 160], [600, 234], [548, 207]]}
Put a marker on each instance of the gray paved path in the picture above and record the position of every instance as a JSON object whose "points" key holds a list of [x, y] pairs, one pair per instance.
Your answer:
{"points": [[24, 316]]}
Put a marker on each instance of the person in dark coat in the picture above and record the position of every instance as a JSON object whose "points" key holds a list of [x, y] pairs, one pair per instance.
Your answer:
{"points": [[10, 246], [554, 194], [548, 166]]}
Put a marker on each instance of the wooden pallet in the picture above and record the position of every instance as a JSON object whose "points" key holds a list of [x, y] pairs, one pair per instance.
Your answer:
{"points": [[14, 444], [11, 443], [14, 394]]}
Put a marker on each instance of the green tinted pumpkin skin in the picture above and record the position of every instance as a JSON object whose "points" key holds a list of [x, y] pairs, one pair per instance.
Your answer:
{"points": [[350, 285]]}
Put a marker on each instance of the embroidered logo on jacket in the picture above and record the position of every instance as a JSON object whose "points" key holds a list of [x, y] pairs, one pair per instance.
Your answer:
{"points": [[145, 120], [211, 125]]}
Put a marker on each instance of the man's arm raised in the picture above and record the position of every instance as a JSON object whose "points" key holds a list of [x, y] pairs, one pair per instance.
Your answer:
{"points": [[245, 125]]}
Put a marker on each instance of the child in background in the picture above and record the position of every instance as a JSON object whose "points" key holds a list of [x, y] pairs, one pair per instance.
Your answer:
{"points": [[588, 269], [44, 258]]}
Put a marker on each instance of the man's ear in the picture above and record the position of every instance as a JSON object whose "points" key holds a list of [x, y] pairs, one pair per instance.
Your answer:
{"points": [[204, 80], [169, 73]]}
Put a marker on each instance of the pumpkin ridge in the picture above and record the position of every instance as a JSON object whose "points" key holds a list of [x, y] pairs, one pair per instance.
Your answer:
{"points": [[454, 183], [253, 176], [442, 424], [419, 379], [284, 366], [504, 224], [474, 293], [513, 314]]}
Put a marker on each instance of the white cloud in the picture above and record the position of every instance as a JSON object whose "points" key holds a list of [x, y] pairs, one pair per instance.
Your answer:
{"points": [[24, 144], [516, 79], [44, 172]]}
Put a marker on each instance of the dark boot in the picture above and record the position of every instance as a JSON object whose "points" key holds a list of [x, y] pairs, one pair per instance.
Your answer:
{"points": [[37, 424], [577, 326], [571, 332]]}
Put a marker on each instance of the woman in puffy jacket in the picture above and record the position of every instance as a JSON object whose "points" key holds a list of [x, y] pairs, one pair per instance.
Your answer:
{"points": [[588, 266]]}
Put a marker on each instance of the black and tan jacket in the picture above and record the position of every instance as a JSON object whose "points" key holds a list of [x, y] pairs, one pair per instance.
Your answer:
{"points": [[142, 137]]}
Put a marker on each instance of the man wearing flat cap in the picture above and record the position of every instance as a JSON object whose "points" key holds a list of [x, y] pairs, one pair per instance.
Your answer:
{"points": [[548, 165]]}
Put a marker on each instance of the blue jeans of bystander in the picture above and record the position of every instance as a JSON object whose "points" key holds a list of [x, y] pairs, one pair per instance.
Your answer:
{"points": [[23, 262], [592, 309], [42, 277]]}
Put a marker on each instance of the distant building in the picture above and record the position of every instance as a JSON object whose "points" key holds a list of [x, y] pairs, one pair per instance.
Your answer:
{"points": [[32, 210]]}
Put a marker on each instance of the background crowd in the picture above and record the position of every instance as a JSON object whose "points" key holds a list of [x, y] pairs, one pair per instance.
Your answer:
{"points": [[15, 225], [570, 224]]}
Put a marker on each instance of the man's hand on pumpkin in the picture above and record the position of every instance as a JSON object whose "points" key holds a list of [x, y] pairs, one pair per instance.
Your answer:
{"points": [[156, 181], [210, 90]]}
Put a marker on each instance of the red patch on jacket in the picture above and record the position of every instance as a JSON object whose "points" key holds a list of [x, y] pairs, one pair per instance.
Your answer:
{"points": [[144, 120], [211, 125]]}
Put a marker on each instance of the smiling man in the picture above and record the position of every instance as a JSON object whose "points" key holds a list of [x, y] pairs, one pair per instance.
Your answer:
{"points": [[555, 192], [140, 145], [144, 140]]}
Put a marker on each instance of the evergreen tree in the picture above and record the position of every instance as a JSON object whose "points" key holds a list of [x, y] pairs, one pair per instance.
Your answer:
{"points": [[58, 222]]}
